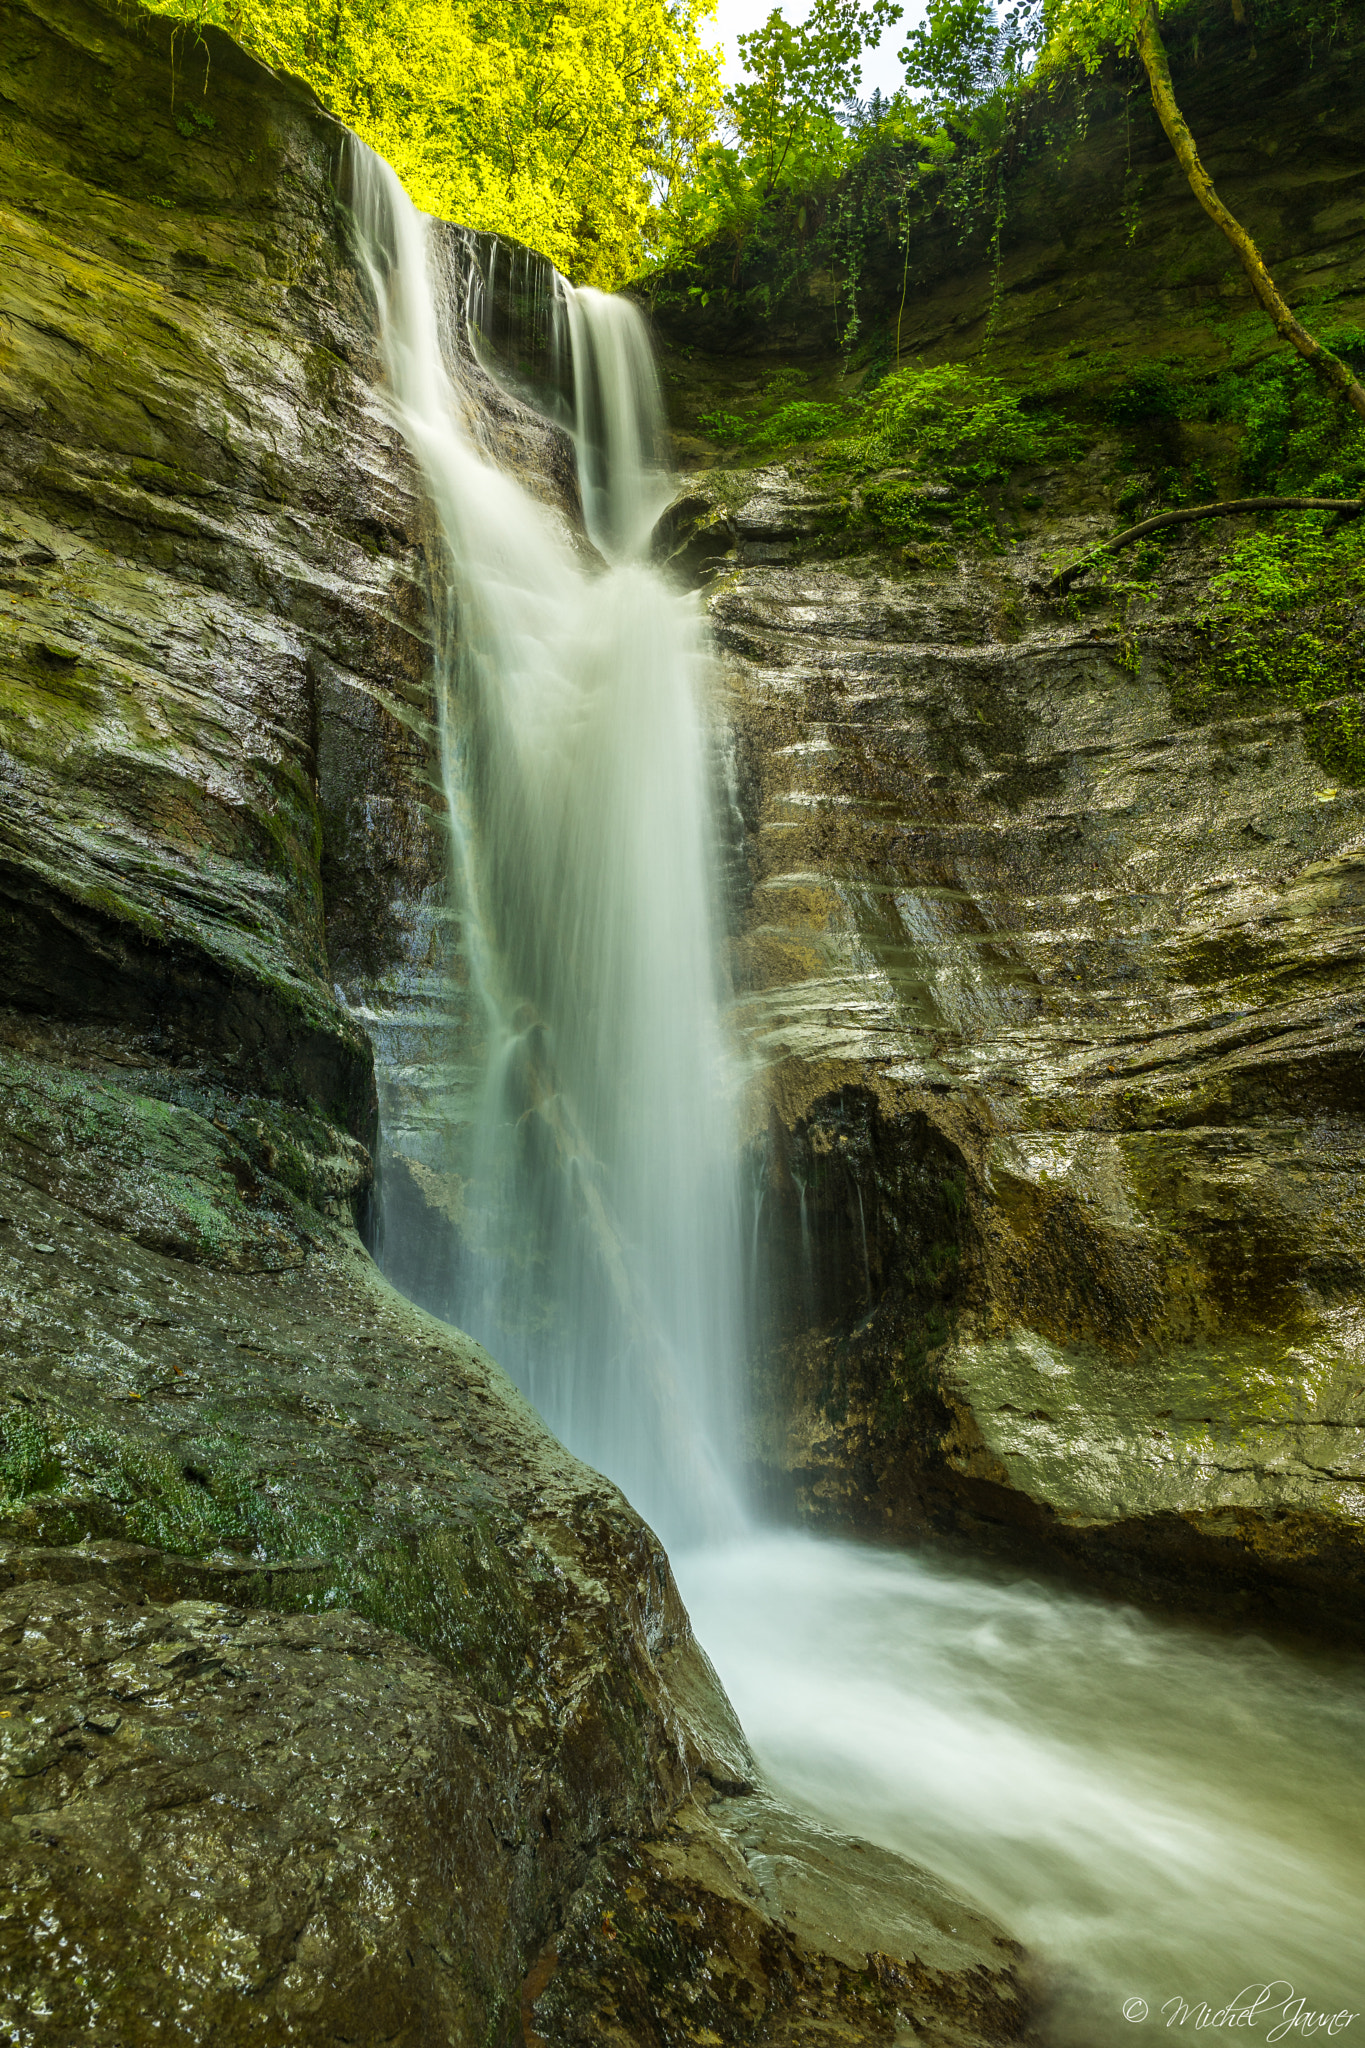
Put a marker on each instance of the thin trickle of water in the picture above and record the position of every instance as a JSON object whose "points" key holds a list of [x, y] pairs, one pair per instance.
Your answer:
{"points": [[1164, 1813], [862, 1239], [598, 1165], [807, 1248]]}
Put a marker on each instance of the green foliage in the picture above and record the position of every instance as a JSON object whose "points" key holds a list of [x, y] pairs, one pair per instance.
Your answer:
{"points": [[28, 1461], [194, 123], [559, 122], [797, 78], [900, 509], [951, 422], [1153, 391], [778, 418], [724, 426], [958, 432], [964, 55], [762, 197], [1296, 440], [1286, 623], [805, 419], [863, 196]]}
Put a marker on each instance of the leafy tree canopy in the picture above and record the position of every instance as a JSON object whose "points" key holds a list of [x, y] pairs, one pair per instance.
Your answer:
{"points": [[799, 78], [557, 122], [964, 54], [792, 125]]}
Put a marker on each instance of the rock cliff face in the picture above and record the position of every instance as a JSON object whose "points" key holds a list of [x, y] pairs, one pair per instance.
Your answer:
{"points": [[1053, 982], [339, 1702]]}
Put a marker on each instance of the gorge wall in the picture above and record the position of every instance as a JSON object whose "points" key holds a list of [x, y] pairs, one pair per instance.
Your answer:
{"points": [[1048, 962], [339, 1702]]}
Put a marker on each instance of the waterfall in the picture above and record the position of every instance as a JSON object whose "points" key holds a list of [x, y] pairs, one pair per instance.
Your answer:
{"points": [[597, 1160], [1164, 1812]]}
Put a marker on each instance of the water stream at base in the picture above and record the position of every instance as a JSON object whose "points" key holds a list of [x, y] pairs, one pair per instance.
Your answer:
{"points": [[1161, 1811]]}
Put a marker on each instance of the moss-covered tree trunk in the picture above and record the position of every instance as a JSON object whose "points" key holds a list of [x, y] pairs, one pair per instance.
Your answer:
{"points": [[1153, 53]]}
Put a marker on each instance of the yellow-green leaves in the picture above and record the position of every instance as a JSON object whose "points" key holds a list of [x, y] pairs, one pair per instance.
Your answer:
{"points": [[554, 121], [1086, 31], [796, 78]]}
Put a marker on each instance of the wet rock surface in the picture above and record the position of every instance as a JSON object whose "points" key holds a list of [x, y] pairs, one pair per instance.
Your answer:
{"points": [[335, 1695], [1056, 997], [332, 1684], [746, 1921], [315, 1830]]}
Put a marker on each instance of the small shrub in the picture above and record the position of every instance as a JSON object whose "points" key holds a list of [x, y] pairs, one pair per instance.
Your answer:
{"points": [[1152, 392], [902, 511], [806, 419], [1286, 622], [723, 426], [952, 423]]}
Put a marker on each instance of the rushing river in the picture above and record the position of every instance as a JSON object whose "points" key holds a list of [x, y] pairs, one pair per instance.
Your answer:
{"points": [[1162, 1812]]}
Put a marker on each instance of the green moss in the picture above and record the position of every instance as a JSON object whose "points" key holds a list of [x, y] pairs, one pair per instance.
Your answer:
{"points": [[905, 511], [453, 1592], [451, 1589], [160, 1168], [29, 1461], [1285, 625], [194, 123], [172, 483]]}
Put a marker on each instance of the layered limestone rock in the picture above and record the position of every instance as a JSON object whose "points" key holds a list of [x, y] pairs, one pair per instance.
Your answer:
{"points": [[1049, 973], [338, 1701], [1057, 1007]]}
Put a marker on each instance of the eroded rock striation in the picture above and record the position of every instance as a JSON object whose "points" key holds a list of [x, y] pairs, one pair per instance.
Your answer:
{"points": [[1049, 968], [338, 1701], [1060, 1007]]}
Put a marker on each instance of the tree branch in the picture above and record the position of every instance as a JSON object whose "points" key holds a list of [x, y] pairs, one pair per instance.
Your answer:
{"points": [[1153, 54], [1064, 578]]}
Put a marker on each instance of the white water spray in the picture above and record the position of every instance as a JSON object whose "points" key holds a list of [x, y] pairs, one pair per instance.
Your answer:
{"points": [[599, 1166], [1164, 1812]]}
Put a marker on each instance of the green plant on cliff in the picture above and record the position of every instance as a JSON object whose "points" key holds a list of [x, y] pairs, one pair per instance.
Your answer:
{"points": [[1295, 438], [558, 122], [953, 421], [1287, 622], [947, 426], [799, 420], [28, 1461], [790, 129]]}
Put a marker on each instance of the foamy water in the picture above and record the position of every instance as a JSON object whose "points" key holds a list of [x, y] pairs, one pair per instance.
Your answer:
{"points": [[1159, 1810]]}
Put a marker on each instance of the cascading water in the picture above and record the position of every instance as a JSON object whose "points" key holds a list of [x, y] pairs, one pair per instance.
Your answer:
{"points": [[599, 1167], [1165, 1812]]}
